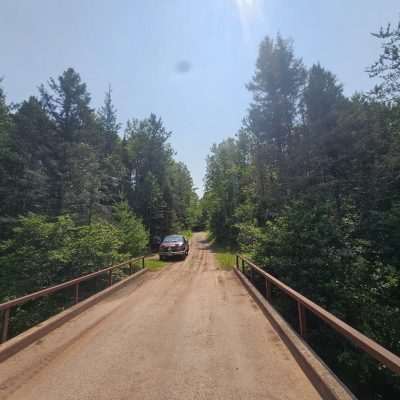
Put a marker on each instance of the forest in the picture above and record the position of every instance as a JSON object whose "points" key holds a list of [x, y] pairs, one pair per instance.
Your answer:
{"points": [[76, 192], [309, 188]]}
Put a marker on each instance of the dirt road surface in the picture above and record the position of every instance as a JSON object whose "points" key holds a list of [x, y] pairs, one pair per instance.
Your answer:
{"points": [[190, 331]]}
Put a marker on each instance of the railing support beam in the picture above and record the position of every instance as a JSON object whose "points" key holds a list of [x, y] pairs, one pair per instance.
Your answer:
{"points": [[4, 329], [77, 293], [302, 320], [268, 290]]}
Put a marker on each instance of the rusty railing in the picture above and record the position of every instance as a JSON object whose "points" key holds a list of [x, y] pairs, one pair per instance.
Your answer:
{"points": [[361, 341], [5, 308]]}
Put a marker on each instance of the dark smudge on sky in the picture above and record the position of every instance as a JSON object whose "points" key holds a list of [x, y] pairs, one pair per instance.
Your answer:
{"points": [[183, 67]]}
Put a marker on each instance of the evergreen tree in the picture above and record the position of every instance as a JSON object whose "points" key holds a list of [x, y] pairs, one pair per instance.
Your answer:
{"points": [[111, 151], [388, 65], [68, 104], [9, 166], [310, 189], [276, 87], [108, 123]]}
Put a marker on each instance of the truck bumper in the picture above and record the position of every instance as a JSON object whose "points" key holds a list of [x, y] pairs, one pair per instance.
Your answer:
{"points": [[172, 253]]}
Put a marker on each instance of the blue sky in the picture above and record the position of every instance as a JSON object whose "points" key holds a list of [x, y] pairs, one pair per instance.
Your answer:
{"points": [[136, 46]]}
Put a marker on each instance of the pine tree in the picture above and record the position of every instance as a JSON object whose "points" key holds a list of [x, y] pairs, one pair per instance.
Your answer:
{"points": [[68, 104], [276, 88], [108, 123], [9, 167], [388, 65]]}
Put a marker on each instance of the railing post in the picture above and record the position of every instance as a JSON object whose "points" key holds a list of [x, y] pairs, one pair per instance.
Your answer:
{"points": [[242, 265], [110, 277], [237, 261], [130, 268], [4, 331], [77, 292], [251, 274], [302, 320], [268, 288], [142, 262]]}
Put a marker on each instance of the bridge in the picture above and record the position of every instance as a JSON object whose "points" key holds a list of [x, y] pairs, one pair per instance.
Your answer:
{"points": [[189, 331]]}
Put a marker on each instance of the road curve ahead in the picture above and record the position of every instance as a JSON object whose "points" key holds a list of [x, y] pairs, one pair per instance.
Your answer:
{"points": [[188, 332]]}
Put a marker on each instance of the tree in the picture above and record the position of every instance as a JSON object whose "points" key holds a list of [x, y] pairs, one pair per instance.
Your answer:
{"points": [[222, 190], [147, 159], [67, 103], [310, 189], [111, 166], [134, 236], [315, 160], [8, 165], [182, 193], [74, 197], [36, 147], [276, 87], [109, 125], [388, 65]]}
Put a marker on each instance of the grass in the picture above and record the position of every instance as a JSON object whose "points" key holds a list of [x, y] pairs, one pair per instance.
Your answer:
{"points": [[154, 264], [226, 257]]}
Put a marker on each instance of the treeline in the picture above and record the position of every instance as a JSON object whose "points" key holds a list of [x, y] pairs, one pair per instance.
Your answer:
{"points": [[309, 188], [77, 193]]}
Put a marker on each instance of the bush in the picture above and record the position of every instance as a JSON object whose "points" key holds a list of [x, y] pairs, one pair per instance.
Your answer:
{"points": [[42, 252], [36, 255], [133, 235]]}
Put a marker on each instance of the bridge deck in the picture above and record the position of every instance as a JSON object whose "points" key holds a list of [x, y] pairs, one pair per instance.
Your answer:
{"points": [[190, 331]]}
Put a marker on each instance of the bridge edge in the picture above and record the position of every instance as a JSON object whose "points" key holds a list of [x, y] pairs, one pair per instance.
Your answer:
{"points": [[19, 342], [328, 385]]}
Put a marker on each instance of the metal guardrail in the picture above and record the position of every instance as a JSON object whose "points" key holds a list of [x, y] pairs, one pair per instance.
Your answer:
{"points": [[6, 307], [363, 342]]}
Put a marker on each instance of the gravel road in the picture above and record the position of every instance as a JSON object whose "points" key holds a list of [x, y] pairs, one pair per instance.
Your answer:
{"points": [[190, 331]]}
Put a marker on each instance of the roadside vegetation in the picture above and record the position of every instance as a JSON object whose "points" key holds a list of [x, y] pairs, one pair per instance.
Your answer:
{"points": [[155, 264], [226, 259], [309, 187], [186, 233], [78, 192], [225, 255]]}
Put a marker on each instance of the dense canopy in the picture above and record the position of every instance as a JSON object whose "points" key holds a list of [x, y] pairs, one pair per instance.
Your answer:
{"points": [[310, 189]]}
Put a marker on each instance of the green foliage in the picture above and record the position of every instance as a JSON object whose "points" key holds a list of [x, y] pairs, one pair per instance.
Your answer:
{"points": [[159, 189], [388, 65], [75, 197], [97, 245], [229, 189], [61, 159], [134, 236], [155, 264], [108, 124], [41, 252], [187, 233], [225, 258], [309, 189], [58, 156], [249, 237]]}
